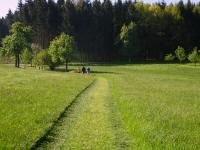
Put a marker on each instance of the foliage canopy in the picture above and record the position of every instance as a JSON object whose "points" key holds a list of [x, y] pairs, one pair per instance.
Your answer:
{"points": [[62, 49], [19, 39]]}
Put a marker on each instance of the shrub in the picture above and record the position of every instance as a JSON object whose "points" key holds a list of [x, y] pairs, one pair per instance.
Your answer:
{"points": [[27, 56], [5, 57], [180, 54], [194, 56], [169, 57], [43, 58], [35, 48]]}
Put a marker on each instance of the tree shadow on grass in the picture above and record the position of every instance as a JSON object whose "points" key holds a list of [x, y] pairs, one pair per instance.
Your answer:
{"points": [[105, 72], [61, 70], [118, 63]]}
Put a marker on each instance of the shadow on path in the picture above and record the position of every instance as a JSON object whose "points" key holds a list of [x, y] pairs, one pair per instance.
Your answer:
{"points": [[47, 137]]}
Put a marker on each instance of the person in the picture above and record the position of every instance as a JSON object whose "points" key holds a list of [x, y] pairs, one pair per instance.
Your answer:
{"points": [[83, 70], [88, 70]]}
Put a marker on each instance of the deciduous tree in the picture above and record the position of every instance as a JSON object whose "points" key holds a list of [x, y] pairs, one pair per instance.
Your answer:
{"points": [[17, 41], [129, 38], [62, 49]]}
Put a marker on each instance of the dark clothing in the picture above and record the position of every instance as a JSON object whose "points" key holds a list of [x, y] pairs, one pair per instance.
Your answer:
{"points": [[83, 70], [88, 70]]}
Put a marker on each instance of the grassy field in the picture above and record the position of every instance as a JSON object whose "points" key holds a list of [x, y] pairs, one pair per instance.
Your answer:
{"points": [[141, 106], [159, 104], [31, 100]]}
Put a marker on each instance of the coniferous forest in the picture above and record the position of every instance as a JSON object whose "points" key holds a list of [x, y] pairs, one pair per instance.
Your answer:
{"points": [[159, 28]]}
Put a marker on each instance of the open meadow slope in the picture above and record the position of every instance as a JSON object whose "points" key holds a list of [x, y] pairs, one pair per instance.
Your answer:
{"points": [[31, 100], [147, 106], [159, 104]]}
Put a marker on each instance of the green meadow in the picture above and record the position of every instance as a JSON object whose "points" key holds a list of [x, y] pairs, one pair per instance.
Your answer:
{"points": [[133, 106], [30, 102]]}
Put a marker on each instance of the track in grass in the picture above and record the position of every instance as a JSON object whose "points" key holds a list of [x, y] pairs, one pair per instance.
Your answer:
{"points": [[88, 124], [49, 136]]}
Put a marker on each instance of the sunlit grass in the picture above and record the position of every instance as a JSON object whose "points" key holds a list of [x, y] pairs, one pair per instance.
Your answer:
{"points": [[91, 127], [30, 101], [159, 105], [143, 106]]}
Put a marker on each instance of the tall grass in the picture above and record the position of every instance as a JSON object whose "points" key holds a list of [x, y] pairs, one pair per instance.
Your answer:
{"points": [[159, 105], [31, 100]]}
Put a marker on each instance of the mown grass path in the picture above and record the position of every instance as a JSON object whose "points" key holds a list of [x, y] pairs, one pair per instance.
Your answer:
{"points": [[88, 124]]}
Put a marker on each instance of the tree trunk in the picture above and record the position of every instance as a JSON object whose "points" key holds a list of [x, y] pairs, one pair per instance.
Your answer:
{"points": [[15, 60], [129, 60], [18, 61]]}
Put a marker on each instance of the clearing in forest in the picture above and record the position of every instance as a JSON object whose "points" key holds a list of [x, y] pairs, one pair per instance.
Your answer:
{"points": [[133, 106]]}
